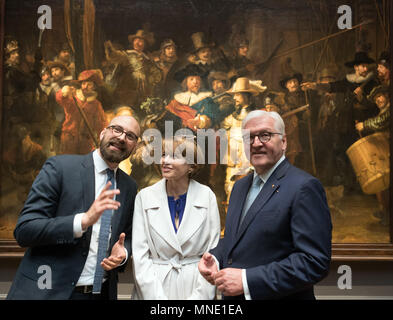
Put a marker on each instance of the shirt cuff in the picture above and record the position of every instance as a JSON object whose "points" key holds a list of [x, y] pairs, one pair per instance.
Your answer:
{"points": [[247, 294], [217, 263], [125, 260], [78, 232]]}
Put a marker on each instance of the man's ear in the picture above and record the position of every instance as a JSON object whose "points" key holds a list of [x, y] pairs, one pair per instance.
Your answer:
{"points": [[102, 134], [284, 142]]}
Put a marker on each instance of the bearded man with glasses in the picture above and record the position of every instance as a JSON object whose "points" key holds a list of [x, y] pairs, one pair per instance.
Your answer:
{"points": [[77, 221], [277, 241]]}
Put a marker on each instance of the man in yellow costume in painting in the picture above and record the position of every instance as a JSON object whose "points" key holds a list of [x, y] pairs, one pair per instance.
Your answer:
{"points": [[243, 91]]}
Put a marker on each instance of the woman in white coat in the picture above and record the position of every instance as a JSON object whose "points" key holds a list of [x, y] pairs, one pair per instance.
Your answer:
{"points": [[175, 221]]}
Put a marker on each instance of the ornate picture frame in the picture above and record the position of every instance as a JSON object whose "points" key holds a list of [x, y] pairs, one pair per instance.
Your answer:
{"points": [[311, 36]]}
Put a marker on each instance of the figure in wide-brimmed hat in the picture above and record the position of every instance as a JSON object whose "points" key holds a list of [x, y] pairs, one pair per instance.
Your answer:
{"points": [[93, 75], [60, 65], [361, 57], [77, 136], [144, 71], [354, 108], [195, 108], [244, 85], [298, 137], [243, 92], [189, 70], [60, 74], [219, 83], [326, 136], [288, 74], [356, 86], [221, 79], [144, 35]]}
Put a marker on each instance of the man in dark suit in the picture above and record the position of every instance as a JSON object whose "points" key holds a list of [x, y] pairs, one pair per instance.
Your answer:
{"points": [[61, 221], [277, 241]]}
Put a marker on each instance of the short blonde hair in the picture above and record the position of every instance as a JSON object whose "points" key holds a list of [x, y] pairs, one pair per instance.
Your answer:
{"points": [[185, 145]]}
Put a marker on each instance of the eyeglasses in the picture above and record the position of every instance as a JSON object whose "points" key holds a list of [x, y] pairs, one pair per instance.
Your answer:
{"points": [[263, 137], [118, 131]]}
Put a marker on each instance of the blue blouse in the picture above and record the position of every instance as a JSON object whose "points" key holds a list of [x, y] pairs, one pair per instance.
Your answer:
{"points": [[177, 206]]}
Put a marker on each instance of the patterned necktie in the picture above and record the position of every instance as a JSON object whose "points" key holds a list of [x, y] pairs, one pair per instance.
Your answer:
{"points": [[252, 194], [103, 239]]}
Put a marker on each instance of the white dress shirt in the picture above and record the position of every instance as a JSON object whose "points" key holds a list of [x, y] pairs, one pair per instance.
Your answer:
{"points": [[87, 275]]}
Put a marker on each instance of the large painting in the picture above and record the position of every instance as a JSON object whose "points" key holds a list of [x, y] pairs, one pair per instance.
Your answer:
{"points": [[70, 66]]}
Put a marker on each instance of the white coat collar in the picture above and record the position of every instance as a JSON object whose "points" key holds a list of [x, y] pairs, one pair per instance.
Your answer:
{"points": [[194, 213]]}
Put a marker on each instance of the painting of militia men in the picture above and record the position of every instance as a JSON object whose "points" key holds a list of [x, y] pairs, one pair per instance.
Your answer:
{"points": [[199, 67]]}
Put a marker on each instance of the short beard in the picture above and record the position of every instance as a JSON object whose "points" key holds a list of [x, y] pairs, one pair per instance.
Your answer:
{"points": [[112, 157]]}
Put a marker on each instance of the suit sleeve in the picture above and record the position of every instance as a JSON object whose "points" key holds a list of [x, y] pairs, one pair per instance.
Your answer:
{"points": [[147, 283], [311, 232], [38, 223], [218, 251]]}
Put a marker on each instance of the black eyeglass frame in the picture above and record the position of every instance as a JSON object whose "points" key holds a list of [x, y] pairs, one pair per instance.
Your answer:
{"points": [[264, 137], [118, 131]]}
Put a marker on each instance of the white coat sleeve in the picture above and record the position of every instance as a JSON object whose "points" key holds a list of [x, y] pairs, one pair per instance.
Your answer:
{"points": [[204, 290], [146, 279]]}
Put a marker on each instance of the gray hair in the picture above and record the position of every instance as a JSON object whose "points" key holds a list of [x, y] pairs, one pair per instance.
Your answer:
{"points": [[278, 121]]}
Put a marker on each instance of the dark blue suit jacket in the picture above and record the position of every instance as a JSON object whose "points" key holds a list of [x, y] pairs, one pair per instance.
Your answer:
{"points": [[284, 242], [64, 187]]}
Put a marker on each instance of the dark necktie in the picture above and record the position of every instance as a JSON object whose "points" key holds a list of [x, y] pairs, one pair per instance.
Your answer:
{"points": [[103, 239]]}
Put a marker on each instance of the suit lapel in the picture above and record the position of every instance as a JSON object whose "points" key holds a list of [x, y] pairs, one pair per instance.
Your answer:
{"points": [[269, 188], [87, 177], [239, 199]]}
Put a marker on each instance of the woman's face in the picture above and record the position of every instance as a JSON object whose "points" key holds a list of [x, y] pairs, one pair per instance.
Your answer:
{"points": [[174, 167]]}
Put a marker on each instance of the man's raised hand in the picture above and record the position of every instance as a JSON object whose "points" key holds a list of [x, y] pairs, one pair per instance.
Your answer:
{"points": [[103, 202]]}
